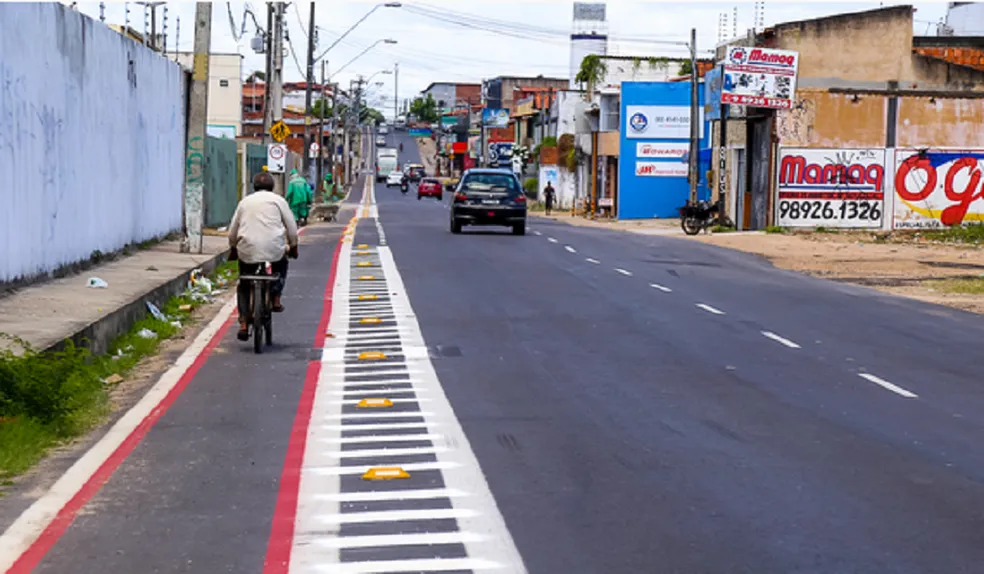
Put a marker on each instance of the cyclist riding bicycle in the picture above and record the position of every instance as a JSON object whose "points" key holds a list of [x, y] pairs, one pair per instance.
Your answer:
{"points": [[263, 230]]}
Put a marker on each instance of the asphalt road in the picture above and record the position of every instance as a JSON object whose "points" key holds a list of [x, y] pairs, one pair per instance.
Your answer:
{"points": [[571, 401]]}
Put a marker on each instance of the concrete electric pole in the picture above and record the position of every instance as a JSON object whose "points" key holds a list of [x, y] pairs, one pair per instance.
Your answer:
{"points": [[307, 100], [694, 118], [396, 92], [194, 185], [268, 75]]}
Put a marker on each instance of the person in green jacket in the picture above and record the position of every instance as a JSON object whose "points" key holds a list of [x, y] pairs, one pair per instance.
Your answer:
{"points": [[328, 188], [299, 196]]}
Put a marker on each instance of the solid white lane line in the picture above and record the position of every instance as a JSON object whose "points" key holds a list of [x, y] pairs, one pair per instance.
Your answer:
{"points": [[399, 539], [551, 240], [781, 340], [382, 438], [570, 249], [623, 272], [362, 468], [395, 515], [388, 451], [415, 565], [661, 288], [595, 261], [885, 384], [710, 309]]}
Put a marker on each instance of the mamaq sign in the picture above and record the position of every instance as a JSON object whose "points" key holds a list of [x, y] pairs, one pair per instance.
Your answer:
{"points": [[760, 77], [938, 188], [831, 188]]}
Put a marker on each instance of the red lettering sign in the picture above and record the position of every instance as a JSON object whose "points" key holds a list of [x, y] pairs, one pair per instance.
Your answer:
{"points": [[794, 170], [954, 214]]}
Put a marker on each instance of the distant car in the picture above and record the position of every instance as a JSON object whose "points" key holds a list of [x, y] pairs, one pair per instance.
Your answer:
{"points": [[395, 177], [489, 197], [415, 171], [430, 187], [382, 130], [380, 141]]}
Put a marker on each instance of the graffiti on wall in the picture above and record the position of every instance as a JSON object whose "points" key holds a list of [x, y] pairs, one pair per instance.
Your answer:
{"points": [[831, 188], [936, 188]]}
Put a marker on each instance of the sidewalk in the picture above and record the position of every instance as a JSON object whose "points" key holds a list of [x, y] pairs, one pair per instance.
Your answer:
{"points": [[427, 148], [48, 313], [641, 226]]}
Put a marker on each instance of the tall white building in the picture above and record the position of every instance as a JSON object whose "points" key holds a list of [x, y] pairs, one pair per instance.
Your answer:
{"points": [[589, 35], [224, 116], [964, 19]]}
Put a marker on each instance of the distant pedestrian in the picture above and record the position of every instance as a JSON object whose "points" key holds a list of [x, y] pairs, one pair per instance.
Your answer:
{"points": [[548, 197], [298, 196]]}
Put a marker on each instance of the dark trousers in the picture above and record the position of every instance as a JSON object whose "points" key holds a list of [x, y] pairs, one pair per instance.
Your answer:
{"points": [[244, 287], [549, 205]]}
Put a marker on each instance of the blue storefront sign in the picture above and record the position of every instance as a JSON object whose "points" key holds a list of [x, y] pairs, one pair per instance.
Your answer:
{"points": [[420, 132], [654, 142]]}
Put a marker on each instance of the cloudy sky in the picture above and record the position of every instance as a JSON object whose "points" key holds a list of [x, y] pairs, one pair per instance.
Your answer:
{"points": [[468, 40]]}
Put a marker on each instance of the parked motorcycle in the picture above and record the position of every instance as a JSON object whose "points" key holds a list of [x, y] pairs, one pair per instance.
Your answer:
{"points": [[695, 217]]}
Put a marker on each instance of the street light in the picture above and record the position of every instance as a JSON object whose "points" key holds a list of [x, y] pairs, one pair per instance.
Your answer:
{"points": [[363, 53], [356, 25]]}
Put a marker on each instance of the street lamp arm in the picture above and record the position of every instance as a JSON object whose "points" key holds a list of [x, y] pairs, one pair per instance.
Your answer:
{"points": [[363, 53], [356, 25]]}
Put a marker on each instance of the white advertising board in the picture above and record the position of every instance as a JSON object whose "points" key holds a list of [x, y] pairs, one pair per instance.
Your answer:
{"points": [[760, 77], [938, 187], [661, 150], [660, 169], [659, 122], [831, 188]]}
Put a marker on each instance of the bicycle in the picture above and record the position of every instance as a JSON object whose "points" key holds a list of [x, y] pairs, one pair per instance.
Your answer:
{"points": [[261, 306]]}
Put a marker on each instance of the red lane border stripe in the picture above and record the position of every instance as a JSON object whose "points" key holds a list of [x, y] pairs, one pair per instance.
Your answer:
{"points": [[60, 523], [285, 513]]}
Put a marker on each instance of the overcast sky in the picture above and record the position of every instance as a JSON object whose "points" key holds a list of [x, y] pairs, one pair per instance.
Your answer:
{"points": [[432, 50]]}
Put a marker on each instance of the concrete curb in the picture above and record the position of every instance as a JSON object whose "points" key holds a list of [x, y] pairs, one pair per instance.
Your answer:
{"points": [[98, 335]]}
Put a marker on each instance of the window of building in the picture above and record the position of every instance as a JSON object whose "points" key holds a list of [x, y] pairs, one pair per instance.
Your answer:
{"points": [[224, 83]]}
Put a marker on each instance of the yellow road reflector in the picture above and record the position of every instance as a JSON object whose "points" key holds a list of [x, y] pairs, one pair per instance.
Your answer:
{"points": [[367, 277], [372, 356], [368, 297], [385, 473], [374, 403], [370, 320], [364, 264], [362, 246], [361, 253]]}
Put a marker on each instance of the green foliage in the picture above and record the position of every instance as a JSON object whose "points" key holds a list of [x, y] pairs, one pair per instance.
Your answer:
{"points": [[570, 160], [531, 186], [722, 229], [973, 233], [425, 109], [775, 229], [549, 141], [593, 70], [685, 68], [322, 105]]}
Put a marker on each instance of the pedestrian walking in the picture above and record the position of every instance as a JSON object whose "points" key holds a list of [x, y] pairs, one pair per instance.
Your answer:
{"points": [[298, 197], [548, 197]]}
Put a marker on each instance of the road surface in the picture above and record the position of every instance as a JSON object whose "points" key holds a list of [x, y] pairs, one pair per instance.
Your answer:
{"points": [[576, 401]]}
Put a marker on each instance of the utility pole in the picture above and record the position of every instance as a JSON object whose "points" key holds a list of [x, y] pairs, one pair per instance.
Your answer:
{"points": [[722, 154], [307, 98], [396, 91], [321, 129], [277, 81], [194, 184], [694, 118], [268, 75]]}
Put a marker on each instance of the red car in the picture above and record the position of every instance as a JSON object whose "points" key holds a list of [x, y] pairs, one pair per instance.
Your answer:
{"points": [[429, 187]]}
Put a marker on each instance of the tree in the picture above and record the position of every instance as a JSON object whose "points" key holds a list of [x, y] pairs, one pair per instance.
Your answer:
{"points": [[425, 109], [256, 75], [592, 71], [322, 103], [372, 114], [685, 68]]}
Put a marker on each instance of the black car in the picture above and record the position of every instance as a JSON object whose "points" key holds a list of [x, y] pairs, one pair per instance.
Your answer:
{"points": [[489, 197], [416, 172]]}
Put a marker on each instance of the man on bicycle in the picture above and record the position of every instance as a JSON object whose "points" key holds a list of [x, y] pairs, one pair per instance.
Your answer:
{"points": [[263, 230]]}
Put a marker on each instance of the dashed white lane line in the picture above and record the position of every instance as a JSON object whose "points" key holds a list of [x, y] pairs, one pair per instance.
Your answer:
{"points": [[570, 249], [709, 309], [887, 385], [537, 233], [595, 261], [623, 272], [780, 340], [401, 539], [551, 240], [661, 288]]}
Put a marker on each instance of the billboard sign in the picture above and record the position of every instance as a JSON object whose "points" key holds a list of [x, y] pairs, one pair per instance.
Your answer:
{"points": [[760, 77], [831, 188], [659, 122], [420, 132], [449, 121], [674, 150], [938, 188], [660, 169], [590, 12], [495, 117], [500, 154]]}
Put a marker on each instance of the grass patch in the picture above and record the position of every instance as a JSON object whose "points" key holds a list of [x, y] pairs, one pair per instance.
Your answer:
{"points": [[961, 286], [775, 229], [51, 397], [831, 230], [536, 207], [722, 229], [973, 234]]}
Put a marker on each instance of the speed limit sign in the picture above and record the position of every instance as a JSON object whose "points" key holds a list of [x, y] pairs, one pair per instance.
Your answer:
{"points": [[276, 158]]}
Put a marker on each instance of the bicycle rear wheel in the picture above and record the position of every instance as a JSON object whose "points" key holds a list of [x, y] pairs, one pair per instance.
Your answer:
{"points": [[258, 308]]}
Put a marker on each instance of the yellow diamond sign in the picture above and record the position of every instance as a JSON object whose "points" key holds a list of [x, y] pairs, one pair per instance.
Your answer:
{"points": [[279, 131]]}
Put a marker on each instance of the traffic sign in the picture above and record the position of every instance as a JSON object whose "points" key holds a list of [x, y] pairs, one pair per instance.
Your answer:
{"points": [[280, 131], [276, 158]]}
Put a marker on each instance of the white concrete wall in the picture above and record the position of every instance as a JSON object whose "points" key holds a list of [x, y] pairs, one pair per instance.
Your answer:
{"points": [[92, 139]]}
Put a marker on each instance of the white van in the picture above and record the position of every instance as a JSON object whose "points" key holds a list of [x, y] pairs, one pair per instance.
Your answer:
{"points": [[385, 164]]}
